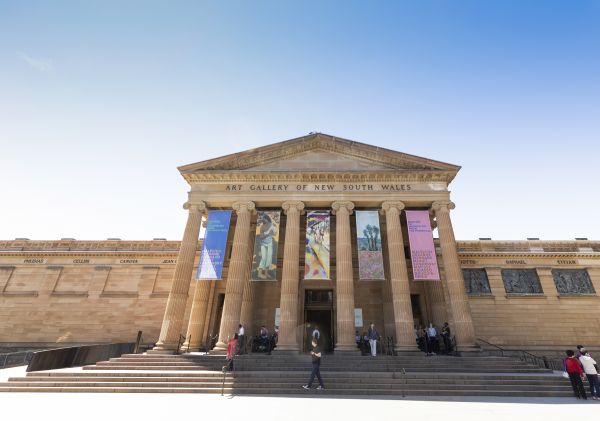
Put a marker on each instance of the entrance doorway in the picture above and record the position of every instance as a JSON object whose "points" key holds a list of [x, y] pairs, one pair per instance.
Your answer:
{"points": [[318, 312], [416, 310]]}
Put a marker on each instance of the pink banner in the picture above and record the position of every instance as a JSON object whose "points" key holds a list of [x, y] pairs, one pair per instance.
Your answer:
{"points": [[422, 250]]}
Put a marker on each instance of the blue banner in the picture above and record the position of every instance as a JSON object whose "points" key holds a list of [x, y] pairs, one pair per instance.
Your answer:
{"points": [[213, 246]]}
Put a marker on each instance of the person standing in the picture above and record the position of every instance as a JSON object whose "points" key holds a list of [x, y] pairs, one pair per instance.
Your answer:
{"points": [[373, 336], [446, 338], [315, 354], [241, 340], [432, 336], [589, 367], [316, 334], [573, 369]]}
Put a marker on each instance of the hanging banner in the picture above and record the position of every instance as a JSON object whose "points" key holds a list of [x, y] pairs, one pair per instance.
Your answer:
{"points": [[368, 240], [264, 259], [213, 246], [422, 250], [316, 259]]}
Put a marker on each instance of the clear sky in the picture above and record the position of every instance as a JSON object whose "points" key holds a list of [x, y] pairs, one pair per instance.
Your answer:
{"points": [[101, 101]]}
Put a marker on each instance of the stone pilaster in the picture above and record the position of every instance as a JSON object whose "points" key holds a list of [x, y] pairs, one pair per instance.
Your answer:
{"points": [[174, 312], [345, 341], [236, 277], [459, 305], [400, 288], [288, 338], [195, 330]]}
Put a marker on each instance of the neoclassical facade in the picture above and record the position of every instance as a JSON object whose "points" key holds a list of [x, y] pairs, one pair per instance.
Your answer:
{"points": [[528, 294]]}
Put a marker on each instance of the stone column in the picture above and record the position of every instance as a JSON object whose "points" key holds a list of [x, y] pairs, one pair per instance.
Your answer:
{"points": [[459, 305], [174, 312], [193, 338], [288, 303], [247, 309], [236, 276], [345, 341], [403, 317]]}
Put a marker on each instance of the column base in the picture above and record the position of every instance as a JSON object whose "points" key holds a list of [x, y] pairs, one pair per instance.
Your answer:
{"points": [[220, 346], [290, 349], [164, 348], [406, 348], [346, 350]]}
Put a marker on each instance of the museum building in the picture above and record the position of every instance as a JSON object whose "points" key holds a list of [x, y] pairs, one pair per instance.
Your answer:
{"points": [[316, 230]]}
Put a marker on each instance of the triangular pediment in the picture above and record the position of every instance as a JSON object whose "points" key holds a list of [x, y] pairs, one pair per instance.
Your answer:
{"points": [[318, 153]]}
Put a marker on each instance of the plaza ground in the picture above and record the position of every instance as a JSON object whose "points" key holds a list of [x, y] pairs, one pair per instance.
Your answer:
{"points": [[102, 406]]}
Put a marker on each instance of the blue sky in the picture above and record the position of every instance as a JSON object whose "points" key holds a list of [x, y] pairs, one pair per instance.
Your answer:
{"points": [[101, 101]]}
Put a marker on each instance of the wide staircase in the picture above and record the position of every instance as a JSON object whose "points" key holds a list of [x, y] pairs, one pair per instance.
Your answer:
{"points": [[258, 374]]}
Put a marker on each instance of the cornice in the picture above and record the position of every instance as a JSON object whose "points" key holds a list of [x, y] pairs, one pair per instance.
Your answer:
{"points": [[219, 177], [545, 255], [50, 253]]}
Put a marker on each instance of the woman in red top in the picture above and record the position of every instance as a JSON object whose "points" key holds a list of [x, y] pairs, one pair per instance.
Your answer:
{"points": [[575, 372], [231, 348]]}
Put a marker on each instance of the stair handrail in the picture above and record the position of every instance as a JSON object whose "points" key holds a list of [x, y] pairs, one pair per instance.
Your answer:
{"points": [[528, 357], [26, 358]]}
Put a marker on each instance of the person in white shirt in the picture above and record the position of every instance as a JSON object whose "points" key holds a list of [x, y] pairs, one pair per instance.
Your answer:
{"points": [[241, 339], [589, 367]]}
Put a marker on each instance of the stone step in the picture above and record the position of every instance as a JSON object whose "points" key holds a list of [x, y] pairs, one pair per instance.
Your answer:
{"points": [[283, 381], [296, 391]]}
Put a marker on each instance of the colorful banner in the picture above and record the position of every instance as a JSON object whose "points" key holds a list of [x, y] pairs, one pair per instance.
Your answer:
{"points": [[213, 246], [368, 239], [422, 250], [264, 259], [316, 259]]}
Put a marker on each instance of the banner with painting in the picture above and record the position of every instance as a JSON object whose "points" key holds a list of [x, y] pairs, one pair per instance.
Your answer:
{"points": [[316, 258], [213, 246], [422, 249], [266, 243], [368, 239]]}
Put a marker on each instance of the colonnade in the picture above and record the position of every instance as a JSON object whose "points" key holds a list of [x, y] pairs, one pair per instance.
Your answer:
{"points": [[239, 291]]}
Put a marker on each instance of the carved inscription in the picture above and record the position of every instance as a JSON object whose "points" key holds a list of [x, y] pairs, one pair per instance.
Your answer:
{"points": [[34, 261], [476, 282], [572, 281], [335, 187], [521, 281]]}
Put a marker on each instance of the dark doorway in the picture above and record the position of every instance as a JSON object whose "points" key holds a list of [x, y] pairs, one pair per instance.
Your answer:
{"points": [[318, 311], [214, 335], [416, 310], [322, 319]]}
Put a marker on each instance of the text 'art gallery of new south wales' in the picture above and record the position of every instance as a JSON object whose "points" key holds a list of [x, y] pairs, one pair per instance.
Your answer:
{"points": [[313, 231]]}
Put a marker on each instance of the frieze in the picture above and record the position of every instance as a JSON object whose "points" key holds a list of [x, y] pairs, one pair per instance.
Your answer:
{"points": [[321, 187], [521, 281], [476, 282], [572, 281]]}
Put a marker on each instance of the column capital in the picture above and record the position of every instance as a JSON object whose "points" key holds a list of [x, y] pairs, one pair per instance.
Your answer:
{"points": [[443, 205], [241, 207], [292, 205], [342, 204], [195, 207], [386, 206]]}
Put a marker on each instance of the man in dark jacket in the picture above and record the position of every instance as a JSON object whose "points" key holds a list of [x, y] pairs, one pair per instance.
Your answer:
{"points": [[315, 353]]}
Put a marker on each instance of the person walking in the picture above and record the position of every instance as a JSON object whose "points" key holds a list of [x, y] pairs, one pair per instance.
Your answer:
{"points": [[315, 353], [241, 346], [231, 349], [575, 372], [373, 336], [589, 368]]}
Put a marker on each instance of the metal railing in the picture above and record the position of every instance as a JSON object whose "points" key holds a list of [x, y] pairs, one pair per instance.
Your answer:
{"points": [[181, 341], [528, 357], [15, 359]]}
